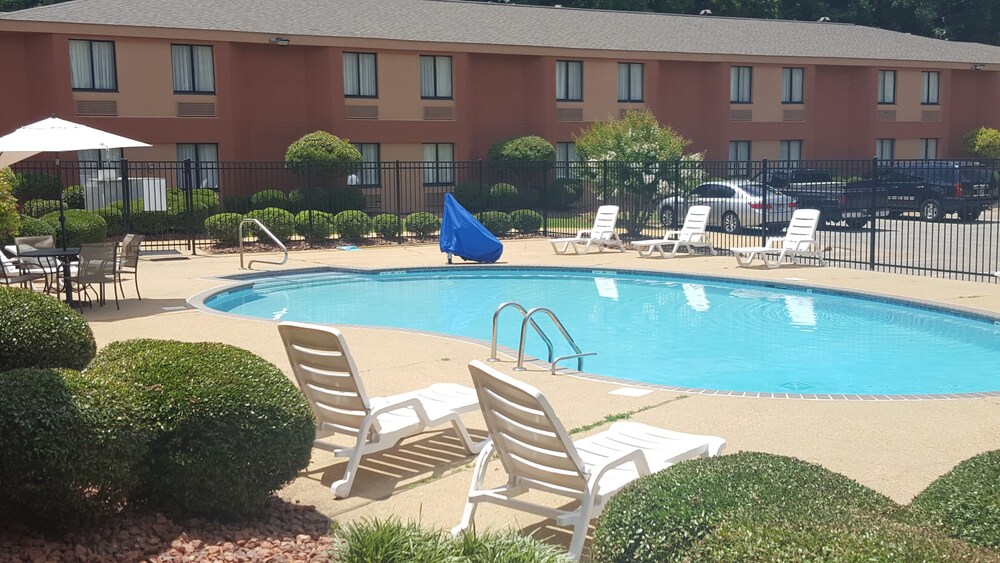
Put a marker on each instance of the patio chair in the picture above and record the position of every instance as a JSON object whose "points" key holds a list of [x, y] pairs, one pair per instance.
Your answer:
{"points": [[12, 273], [799, 242], [692, 235], [327, 375], [97, 266], [537, 453], [128, 261], [602, 235]]}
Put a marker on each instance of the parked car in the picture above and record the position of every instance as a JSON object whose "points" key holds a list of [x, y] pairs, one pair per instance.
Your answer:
{"points": [[736, 204], [936, 188], [819, 189]]}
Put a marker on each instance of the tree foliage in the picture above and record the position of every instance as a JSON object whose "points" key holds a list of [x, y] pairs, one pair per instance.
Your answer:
{"points": [[9, 219], [531, 148], [323, 157], [982, 143]]}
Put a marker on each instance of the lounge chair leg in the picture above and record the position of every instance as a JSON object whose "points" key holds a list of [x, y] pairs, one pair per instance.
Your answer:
{"points": [[580, 528], [342, 488], [471, 446], [479, 477]]}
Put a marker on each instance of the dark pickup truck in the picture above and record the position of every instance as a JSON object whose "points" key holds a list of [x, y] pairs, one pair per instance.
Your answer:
{"points": [[935, 188], [835, 199]]}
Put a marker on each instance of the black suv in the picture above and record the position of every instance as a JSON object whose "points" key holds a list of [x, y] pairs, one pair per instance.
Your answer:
{"points": [[938, 187]]}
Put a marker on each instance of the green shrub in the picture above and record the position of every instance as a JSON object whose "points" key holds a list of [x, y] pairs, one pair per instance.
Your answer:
{"points": [[529, 197], [323, 157], [352, 224], [146, 222], [269, 198], [81, 226], [36, 185], [982, 143], [281, 223], [228, 428], [563, 193], [422, 224], [965, 502], [224, 227], [31, 227], [70, 448], [496, 222], [74, 197], [303, 199], [314, 225], [347, 199], [503, 196], [759, 507], [236, 204], [113, 216], [386, 225], [9, 219], [472, 196], [530, 148], [38, 207], [202, 205], [39, 331], [526, 221]]}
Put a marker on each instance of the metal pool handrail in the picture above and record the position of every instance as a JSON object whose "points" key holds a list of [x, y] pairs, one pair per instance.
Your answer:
{"points": [[269, 234], [579, 355]]}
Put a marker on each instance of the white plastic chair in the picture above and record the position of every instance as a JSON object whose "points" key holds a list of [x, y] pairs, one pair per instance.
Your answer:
{"points": [[692, 235], [799, 242], [327, 375], [537, 453], [602, 235]]}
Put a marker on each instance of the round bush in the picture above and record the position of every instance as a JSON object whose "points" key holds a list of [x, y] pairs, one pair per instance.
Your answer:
{"points": [[303, 199], [224, 227], [346, 199], [314, 225], [38, 207], [324, 154], [472, 196], [73, 197], [203, 204], [31, 227], [113, 216], [526, 221], [36, 185], [39, 331], [352, 224], [503, 196], [281, 223], [386, 225], [563, 192], [530, 148], [81, 226], [965, 502], [496, 222], [228, 427], [423, 224], [269, 198], [236, 204], [147, 222], [70, 448], [529, 197]]}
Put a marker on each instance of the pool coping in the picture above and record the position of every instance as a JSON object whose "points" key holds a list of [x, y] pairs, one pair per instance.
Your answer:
{"points": [[245, 278]]}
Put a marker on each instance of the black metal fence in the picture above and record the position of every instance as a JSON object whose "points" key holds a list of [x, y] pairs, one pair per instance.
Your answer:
{"points": [[923, 217]]}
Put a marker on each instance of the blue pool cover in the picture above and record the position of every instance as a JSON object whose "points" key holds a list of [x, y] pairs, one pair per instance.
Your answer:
{"points": [[464, 236]]}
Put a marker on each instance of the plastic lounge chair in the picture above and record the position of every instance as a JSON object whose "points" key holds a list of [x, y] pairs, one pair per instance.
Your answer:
{"points": [[692, 235], [537, 453], [799, 242], [602, 235], [128, 261], [327, 375]]}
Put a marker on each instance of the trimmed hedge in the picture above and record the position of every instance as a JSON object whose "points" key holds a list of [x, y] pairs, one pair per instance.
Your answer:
{"points": [[503, 196], [280, 222], [314, 225], [304, 199], [38, 331], [496, 222], [563, 192], [269, 198], [472, 196], [352, 224], [386, 225], [36, 185], [114, 217], [965, 502], [530, 148], [422, 223], [39, 207], [203, 204], [347, 199], [74, 197], [81, 226], [228, 428], [224, 227], [31, 227], [526, 221]]}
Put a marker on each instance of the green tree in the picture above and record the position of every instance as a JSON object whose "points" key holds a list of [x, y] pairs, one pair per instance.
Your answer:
{"points": [[982, 143], [630, 163], [325, 157], [531, 148], [10, 221]]}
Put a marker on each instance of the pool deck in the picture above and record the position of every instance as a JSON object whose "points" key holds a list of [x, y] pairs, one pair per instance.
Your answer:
{"points": [[894, 447]]}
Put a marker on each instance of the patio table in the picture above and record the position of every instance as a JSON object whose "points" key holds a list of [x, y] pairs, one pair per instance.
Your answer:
{"points": [[65, 256]]}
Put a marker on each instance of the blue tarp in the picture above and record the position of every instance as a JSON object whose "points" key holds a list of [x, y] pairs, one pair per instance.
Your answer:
{"points": [[464, 236]]}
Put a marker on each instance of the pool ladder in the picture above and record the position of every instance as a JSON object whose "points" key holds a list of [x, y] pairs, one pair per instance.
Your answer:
{"points": [[528, 320], [260, 226]]}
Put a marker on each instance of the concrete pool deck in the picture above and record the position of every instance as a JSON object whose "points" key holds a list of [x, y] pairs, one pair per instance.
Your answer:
{"points": [[894, 447]]}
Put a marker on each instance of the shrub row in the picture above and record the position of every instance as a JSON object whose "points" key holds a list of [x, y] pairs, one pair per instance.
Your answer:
{"points": [[500, 224], [316, 225], [505, 196], [329, 200]]}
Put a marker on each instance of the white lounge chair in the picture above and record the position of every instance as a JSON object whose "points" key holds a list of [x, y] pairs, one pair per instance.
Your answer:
{"points": [[602, 235], [799, 242], [536, 452], [329, 378], [692, 235]]}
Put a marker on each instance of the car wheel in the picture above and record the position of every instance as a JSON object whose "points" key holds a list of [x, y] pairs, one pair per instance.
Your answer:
{"points": [[856, 224], [970, 215], [731, 223], [667, 216], [931, 210]]}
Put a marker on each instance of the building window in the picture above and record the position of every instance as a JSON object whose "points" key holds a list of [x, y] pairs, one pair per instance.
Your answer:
{"points": [[194, 69], [359, 75], [565, 157], [930, 88], [790, 152], [739, 158], [885, 149], [435, 77], [91, 161], [886, 86], [204, 163], [569, 81], [791, 85], [370, 173], [740, 80], [629, 82], [928, 149], [92, 65], [438, 161]]}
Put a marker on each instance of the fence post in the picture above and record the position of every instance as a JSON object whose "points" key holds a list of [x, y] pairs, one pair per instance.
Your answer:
{"points": [[871, 212], [677, 194], [763, 203], [189, 202], [126, 197], [543, 189], [399, 206]]}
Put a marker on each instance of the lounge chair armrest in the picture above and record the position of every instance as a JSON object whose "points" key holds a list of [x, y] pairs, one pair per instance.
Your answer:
{"points": [[583, 233], [412, 402], [804, 244], [671, 234], [635, 456]]}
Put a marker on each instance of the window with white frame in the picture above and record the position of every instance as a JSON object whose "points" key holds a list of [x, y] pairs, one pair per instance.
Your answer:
{"points": [[630, 82], [92, 65], [360, 75], [930, 88], [885, 149], [569, 81], [565, 157], [438, 163], [928, 149], [193, 69], [370, 173], [740, 84], [739, 158], [886, 86], [91, 161], [204, 163], [435, 77], [790, 151], [791, 85]]}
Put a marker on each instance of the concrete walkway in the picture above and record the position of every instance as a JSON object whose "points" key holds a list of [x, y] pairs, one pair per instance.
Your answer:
{"points": [[895, 447]]}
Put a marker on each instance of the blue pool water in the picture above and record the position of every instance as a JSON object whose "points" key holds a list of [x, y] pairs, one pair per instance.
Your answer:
{"points": [[664, 330]]}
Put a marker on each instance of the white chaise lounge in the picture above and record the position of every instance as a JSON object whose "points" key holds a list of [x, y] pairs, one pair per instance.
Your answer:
{"points": [[692, 235], [799, 242], [602, 235]]}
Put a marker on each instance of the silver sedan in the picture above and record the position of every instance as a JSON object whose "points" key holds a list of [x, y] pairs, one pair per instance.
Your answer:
{"points": [[735, 204]]}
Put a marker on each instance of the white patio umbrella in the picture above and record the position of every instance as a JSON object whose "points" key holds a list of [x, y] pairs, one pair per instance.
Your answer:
{"points": [[55, 135]]}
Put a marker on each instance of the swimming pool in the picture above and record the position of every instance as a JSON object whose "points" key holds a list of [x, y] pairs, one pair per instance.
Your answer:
{"points": [[659, 329]]}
